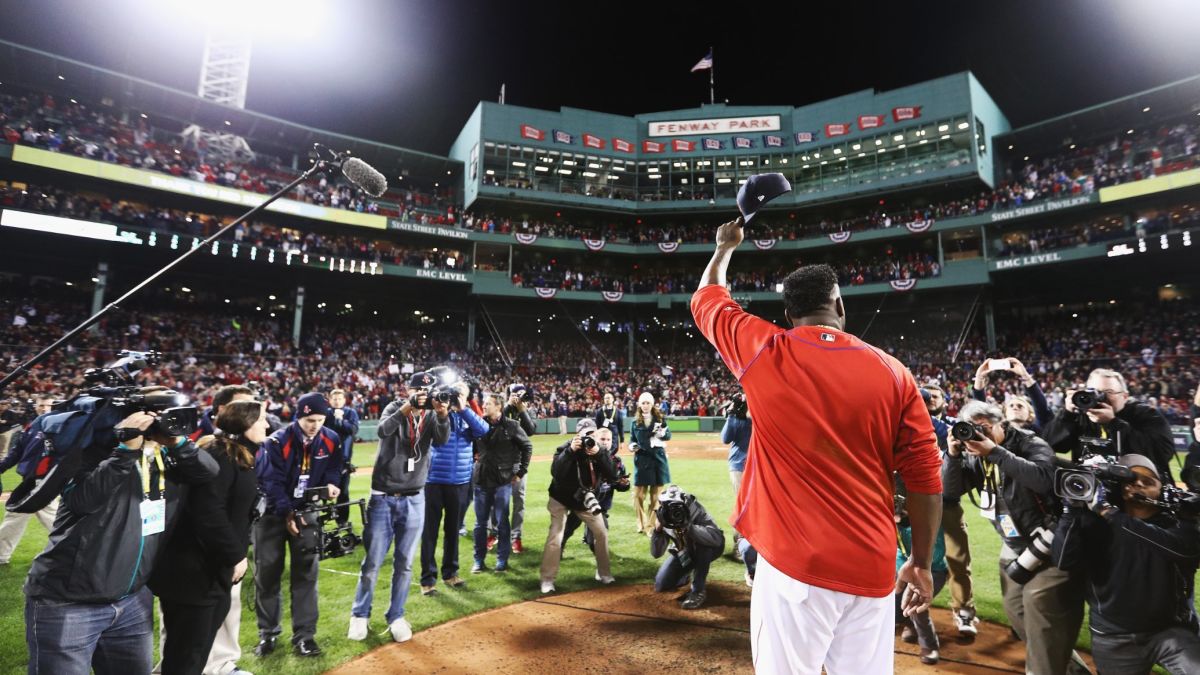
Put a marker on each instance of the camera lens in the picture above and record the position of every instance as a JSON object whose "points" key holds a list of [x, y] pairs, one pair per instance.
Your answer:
{"points": [[1078, 486]]}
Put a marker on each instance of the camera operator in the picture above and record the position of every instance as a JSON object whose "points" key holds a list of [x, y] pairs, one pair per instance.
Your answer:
{"points": [[1044, 604], [205, 556], [344, 422], [86, 602], [396, 510], [612, 417], [694, 541], [515, 410], [1035, 414], [736, 434], [24, 454], [647, 439], [604, 496], [1141, 564], [575, 476], [953, 535], [447, 492], [300, 456], [1135, 428], [504, 454]]}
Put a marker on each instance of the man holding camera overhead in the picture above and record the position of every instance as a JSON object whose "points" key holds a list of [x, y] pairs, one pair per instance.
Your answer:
{"points": [[1014, 471], [1141, 562], [1104, 410], [575, 475], [396, 510], [302, 456], [515, 410]]}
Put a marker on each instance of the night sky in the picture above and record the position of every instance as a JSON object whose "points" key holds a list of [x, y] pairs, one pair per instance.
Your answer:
{"points": [[409, 72]]}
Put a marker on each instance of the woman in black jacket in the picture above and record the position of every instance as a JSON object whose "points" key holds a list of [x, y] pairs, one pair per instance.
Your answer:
{"points": [[206, 553]]}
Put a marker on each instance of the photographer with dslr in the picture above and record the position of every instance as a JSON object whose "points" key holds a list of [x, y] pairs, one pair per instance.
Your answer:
{"points": [[1014, 471], [604, 496], [301, 456], [575, 476], [407, 433], [205, 556], [736, 434], [1105, 410], [344, 423], [693, 540], [504, 454], [86, 602], [515, 410], [1141, 562]]}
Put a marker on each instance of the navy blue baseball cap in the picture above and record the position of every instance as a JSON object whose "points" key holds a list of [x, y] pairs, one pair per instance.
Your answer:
{"points": [[421, 380], [758, 190], [312, 403]]}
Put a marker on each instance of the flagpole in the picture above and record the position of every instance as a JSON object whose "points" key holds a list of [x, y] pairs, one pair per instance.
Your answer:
{"points": [[712, 97]]}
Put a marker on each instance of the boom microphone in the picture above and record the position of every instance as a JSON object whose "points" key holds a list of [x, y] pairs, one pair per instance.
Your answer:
{"points": [[364, 176]]}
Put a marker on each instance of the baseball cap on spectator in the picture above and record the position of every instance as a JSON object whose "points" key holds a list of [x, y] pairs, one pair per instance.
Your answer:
{"points": [[585, 425], [420, 380], [312, 403], [758, 190]]}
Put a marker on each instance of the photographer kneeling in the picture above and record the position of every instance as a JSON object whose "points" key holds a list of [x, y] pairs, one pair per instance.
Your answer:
{"points": [[206, 554], [694, 541], [1044, 604], [1141, 563], [87, 606], [575, 475]]}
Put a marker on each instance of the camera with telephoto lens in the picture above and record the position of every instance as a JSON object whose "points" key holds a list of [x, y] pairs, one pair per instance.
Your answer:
{"points": [[1080, 481], [1033, 558], [589, 501], [965, 431], [736, 406], [320, 531], [1089, 398]]}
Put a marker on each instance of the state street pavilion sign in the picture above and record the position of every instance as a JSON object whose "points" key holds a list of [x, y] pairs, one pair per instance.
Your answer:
{"points": [[723, 125]]}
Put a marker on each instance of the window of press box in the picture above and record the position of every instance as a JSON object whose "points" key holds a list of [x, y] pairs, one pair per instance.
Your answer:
{"points": [[962, 245]]}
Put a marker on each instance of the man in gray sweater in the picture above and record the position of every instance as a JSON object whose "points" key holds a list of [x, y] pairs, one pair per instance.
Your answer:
{"points": [[397, 507]]}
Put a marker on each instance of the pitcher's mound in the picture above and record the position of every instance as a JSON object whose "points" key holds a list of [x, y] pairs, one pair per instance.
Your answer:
{"points": [[632, 629]]}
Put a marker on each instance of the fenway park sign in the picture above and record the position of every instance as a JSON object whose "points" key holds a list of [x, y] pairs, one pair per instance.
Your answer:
{"points": [[723, 125]]}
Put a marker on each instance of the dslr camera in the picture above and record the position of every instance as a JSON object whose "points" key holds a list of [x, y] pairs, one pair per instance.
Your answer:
{"points": [[965, 431], [521, 390], [442, 382], [673, 511], [316, 532], [1086, 399], [589, 501], [736, 406]]}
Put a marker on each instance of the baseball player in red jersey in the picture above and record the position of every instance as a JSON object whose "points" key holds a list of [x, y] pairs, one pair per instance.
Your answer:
{"points": [[834, 418]]}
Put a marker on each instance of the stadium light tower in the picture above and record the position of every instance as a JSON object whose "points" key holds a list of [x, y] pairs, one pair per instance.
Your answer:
{"points": [[224, 74]]}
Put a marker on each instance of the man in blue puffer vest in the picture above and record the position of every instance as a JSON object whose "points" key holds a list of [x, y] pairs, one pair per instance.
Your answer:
{"points": [[447, 493]]}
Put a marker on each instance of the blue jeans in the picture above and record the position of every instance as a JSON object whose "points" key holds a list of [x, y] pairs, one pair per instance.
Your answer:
{"points": [[673, 571], [388, 518], [492, 503], [69, 638]]}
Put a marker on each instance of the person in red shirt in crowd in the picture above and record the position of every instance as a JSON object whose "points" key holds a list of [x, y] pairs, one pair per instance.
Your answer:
{"points": [[834, 419]]}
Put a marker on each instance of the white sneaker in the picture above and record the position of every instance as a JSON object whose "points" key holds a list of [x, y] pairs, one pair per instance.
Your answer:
{"points": [[401, 631], [358, 628], [965, 621], [547, 587], [749, 580], [606, 580]]}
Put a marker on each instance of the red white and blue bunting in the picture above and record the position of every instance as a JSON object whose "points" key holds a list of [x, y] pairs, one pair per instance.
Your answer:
{"points": [[525, 238], [613, 296], [903, 284], [839, 237], [546, 293], [593, 244]]}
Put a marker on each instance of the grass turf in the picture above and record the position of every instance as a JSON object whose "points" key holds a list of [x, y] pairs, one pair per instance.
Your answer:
{"points": [[630, 552]]}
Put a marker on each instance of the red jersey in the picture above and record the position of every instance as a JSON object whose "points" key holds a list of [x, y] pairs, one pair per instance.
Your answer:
{"points": [[833, 417]]}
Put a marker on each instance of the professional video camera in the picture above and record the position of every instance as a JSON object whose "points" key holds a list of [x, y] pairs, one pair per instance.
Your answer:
{"points": [[1079, 481], [87, 420], [317, 534], [1179, 502]]}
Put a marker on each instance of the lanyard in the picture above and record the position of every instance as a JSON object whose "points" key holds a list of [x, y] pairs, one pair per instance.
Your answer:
{"points": [[146, 471], [306, 453], [414, 430]]}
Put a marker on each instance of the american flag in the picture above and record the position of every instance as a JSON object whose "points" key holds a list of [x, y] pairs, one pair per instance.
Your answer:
{"points": [[705, 63]]}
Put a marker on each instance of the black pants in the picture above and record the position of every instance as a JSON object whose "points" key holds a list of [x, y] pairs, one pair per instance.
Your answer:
{"points": [[1176, 649], [191, 630], [451, 502], [343, 513], [270, 539]]}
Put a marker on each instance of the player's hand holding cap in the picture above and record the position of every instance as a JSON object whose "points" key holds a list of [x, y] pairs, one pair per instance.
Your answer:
{"points": [[758, 190]]}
